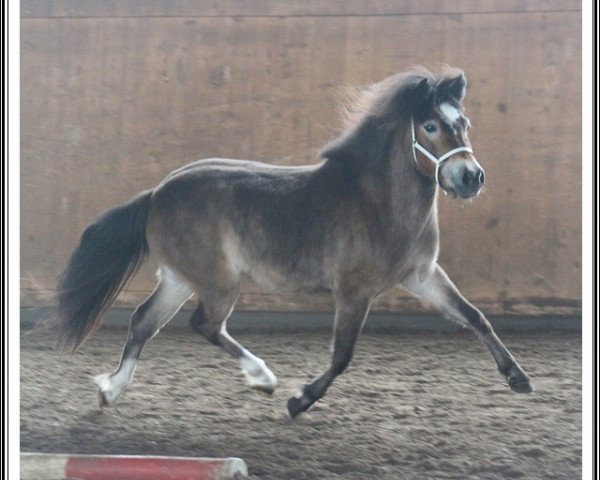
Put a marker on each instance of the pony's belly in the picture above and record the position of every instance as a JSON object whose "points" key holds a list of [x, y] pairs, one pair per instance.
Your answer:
{"points": [[272, 279]]}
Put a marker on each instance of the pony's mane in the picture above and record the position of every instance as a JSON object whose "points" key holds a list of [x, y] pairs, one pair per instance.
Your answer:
{"points": [[373, 100], [381, 108]]}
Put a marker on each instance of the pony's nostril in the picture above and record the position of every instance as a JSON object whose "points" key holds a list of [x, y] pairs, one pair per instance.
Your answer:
{"points": [[481, 177], [468, 178], [473, 179]]}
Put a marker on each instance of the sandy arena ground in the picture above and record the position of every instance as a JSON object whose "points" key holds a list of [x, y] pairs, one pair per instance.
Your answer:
{"points": [[411, 406]]}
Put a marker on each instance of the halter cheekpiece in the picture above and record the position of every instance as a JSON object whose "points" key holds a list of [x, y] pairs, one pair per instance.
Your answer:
{"points": [[437, 161]]}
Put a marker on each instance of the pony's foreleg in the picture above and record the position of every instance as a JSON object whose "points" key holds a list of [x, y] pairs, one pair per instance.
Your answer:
{"points": [[209, 319], [350, 316], [168, 297], [439, 290]]}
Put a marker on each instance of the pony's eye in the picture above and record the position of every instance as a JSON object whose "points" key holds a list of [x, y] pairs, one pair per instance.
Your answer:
{"points": [[430, 128]]}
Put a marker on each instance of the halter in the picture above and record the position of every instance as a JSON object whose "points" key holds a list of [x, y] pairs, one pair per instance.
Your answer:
{"points": [[437, 161]]}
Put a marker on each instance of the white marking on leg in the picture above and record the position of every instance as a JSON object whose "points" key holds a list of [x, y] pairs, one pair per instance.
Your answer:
{"points": [[178, 287], [113, 386], [176, 292], [171, 293], [451, 113], [256, 372]]}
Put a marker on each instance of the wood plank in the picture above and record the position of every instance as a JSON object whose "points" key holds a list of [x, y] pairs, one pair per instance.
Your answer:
{"points": [[186, 8], [109, 106]]}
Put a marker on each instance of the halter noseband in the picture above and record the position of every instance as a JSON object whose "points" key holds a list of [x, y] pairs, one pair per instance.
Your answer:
{"points": [[437, 161]]}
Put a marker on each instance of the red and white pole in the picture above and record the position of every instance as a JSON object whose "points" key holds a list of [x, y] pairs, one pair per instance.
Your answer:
{"points": [[44, 466]]}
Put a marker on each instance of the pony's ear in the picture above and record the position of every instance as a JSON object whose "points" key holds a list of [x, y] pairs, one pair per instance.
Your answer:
{"points": [[454, 87], [423, 90], [420, 96]]}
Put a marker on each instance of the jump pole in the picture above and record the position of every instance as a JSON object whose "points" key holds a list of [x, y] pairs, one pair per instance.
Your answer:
{"points": [[47, 466]]}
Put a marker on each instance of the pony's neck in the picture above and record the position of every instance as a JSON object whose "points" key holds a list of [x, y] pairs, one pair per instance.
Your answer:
{"points": [[381, 166], [413, 196]]}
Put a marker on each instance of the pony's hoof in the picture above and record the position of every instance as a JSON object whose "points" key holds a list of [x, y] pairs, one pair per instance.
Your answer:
{"points": [[107, 394], [264, 389], [520, 385], [517, 379], [259, 377], [300, 402], [294, 406], [102, 401]]}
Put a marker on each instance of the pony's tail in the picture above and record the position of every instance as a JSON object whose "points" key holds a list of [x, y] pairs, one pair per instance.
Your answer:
{"points": [[109, 253]]}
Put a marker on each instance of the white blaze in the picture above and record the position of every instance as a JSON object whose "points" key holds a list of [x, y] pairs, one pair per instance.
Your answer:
{"points": [[451, 113]]}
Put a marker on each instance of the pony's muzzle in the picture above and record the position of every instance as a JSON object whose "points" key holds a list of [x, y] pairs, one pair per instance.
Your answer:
{"points": [[472, 180], [463, 176]]}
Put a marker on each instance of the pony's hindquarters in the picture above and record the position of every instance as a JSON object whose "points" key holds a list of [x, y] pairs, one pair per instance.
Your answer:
{"points": [[109, 253]]}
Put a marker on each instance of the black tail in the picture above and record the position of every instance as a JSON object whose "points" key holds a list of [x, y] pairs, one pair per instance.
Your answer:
{"points": [[109, 253]]}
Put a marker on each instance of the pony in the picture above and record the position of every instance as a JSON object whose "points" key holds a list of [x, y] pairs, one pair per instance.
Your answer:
{"points": [[361, 221]]}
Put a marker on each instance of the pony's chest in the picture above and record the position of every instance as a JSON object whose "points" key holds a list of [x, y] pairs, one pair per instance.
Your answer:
{"points": [[411, 252]]}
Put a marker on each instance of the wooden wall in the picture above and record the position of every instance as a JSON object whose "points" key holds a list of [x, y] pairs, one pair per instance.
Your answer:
{"points": [[116, 94]]}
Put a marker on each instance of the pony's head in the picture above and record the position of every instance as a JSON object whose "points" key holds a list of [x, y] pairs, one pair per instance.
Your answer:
{"points": [[438, 133], [423, 114]]}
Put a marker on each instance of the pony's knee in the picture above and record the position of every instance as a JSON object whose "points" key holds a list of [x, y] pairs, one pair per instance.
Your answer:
{"points": [[212, 333], [481, 324], [476, 319], [201, 324]]}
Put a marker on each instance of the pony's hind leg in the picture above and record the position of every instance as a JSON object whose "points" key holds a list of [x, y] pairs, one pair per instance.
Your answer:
{"points": [[168, 297], [209, 319]]}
